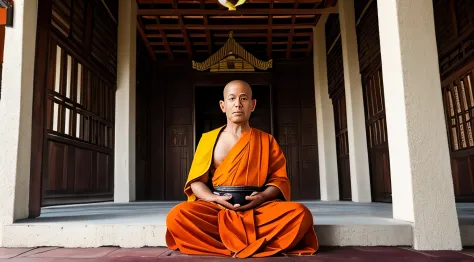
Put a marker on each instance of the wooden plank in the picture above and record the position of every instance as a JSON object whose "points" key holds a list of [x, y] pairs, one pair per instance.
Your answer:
{"points": [[292, 32], [225, 35], [145, 39], [270, 31], [208, 32], [227, 27], [249, 2], [165, 40], [183, 31], [38, 125], [262, 11]]}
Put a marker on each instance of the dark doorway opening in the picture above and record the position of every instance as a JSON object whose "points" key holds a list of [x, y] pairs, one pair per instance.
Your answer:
{"points": [[209, 116]]}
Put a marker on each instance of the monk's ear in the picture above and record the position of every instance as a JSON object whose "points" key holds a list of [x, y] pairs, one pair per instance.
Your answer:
{"points": [[254, 104], [222, 106]]}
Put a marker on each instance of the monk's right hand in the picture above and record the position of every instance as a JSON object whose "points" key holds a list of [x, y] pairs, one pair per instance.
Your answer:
{"points": [[222, 200]]}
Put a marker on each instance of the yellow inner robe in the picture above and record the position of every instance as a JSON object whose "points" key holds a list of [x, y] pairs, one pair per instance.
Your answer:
{"points": [[277, 226]]}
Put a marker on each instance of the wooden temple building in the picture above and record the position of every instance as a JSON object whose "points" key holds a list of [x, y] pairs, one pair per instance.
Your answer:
{"points": [[103, 102]]}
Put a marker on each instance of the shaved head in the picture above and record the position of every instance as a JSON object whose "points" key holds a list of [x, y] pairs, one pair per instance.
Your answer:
{"points": [[238, 104], [240, 83]]}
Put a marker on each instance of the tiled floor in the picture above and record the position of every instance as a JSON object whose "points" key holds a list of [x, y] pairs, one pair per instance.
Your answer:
{"points": [[384, 254]]}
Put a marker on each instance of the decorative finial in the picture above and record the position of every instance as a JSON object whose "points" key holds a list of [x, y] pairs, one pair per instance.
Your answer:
{"points": [[231, 34]]}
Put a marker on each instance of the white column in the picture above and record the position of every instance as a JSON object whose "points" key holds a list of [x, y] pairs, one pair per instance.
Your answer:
{"points": [[358, 154], [324, 117], [422, 185], [16, 113], [124, 190]]}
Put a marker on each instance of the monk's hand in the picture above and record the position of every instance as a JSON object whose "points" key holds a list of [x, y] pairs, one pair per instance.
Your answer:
{"points": [[256, 199], [222, 200]]}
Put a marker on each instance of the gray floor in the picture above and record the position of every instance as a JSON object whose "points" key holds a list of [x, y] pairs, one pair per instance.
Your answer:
{"points": [[154, 213]]}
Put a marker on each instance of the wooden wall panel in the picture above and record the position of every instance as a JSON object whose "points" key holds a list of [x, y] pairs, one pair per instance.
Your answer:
{"points": [[374, 103], [454, 25], [295, 125], [74, 105]]}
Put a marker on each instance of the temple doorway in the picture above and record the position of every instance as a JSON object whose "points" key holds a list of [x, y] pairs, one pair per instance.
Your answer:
{"points": [[209, 116]]}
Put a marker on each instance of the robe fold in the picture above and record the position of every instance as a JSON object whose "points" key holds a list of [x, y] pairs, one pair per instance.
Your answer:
{"points": [[278, 226]]}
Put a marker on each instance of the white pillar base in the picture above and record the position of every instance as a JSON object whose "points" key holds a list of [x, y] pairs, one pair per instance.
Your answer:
{"points": [[358, 154], [16, 113], [125, 117], [328, 176], [422, 183]]}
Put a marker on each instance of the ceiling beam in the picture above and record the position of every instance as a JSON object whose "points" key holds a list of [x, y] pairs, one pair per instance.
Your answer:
{"points": [[270, 31], [310, 45], [145, 2], [165, 41], [292, 32], [183, 31], [222, 43], [236, 34], [208, 32], [262, 11], [145, 39], [229, 27]]}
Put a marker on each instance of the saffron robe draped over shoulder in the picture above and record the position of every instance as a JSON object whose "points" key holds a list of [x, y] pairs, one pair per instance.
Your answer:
{"points": [[205, 228]]}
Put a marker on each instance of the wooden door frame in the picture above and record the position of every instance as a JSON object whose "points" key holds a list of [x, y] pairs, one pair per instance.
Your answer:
{"points": [[43, 33], [202, 79]]}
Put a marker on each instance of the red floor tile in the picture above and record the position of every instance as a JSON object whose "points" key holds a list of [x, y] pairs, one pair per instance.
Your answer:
{"points": [[37, 251], [138, 252], [76, 253], [12, 252]]}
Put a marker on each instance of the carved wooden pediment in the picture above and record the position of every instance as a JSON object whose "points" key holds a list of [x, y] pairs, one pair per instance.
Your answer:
{"points": [[232, 57]]}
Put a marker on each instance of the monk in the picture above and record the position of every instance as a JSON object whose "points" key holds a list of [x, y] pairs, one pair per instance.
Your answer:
{"points": [[239, 155]]}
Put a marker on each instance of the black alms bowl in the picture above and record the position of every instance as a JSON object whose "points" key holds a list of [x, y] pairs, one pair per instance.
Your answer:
{"points": [[238, 193]]}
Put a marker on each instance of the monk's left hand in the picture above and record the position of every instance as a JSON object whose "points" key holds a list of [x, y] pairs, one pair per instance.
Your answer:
{"points": [[256, 199]]}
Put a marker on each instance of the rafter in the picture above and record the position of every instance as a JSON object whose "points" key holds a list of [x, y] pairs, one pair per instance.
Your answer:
{"points": [[310, 45], [270, 31], [292, 32], [183, 30], [198, 35], [222, 43], [267, 11], [145, 39], [216, 1], [311, 36], [229, 27], [208, 32], [165, 41]]}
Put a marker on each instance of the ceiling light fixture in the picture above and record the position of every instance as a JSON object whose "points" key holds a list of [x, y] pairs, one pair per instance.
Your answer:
{"points": [[231, 4]]}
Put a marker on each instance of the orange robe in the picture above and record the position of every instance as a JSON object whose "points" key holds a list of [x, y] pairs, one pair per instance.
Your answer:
{"points": [[278, 226]]}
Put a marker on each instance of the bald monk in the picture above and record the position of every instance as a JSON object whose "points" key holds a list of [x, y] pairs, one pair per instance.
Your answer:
{"points": [[238, 155]]}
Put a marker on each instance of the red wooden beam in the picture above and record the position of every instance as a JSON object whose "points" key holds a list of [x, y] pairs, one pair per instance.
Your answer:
{"points": [[261, 11], [208, 32], [183, 31], [229, 27], [145, 39], [292, 32], [198, 35], [150, 2], [270, 31], [165, 41]]}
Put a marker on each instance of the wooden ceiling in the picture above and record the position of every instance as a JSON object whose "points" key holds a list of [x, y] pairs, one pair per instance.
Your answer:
{"points": [[195, 29]]}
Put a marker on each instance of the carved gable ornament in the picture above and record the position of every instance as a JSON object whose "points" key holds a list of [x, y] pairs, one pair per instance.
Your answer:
{"points": [[232, 57]]}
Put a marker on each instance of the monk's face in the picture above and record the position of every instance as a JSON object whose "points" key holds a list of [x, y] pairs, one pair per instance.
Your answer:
{"points": [[238, 103]]}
